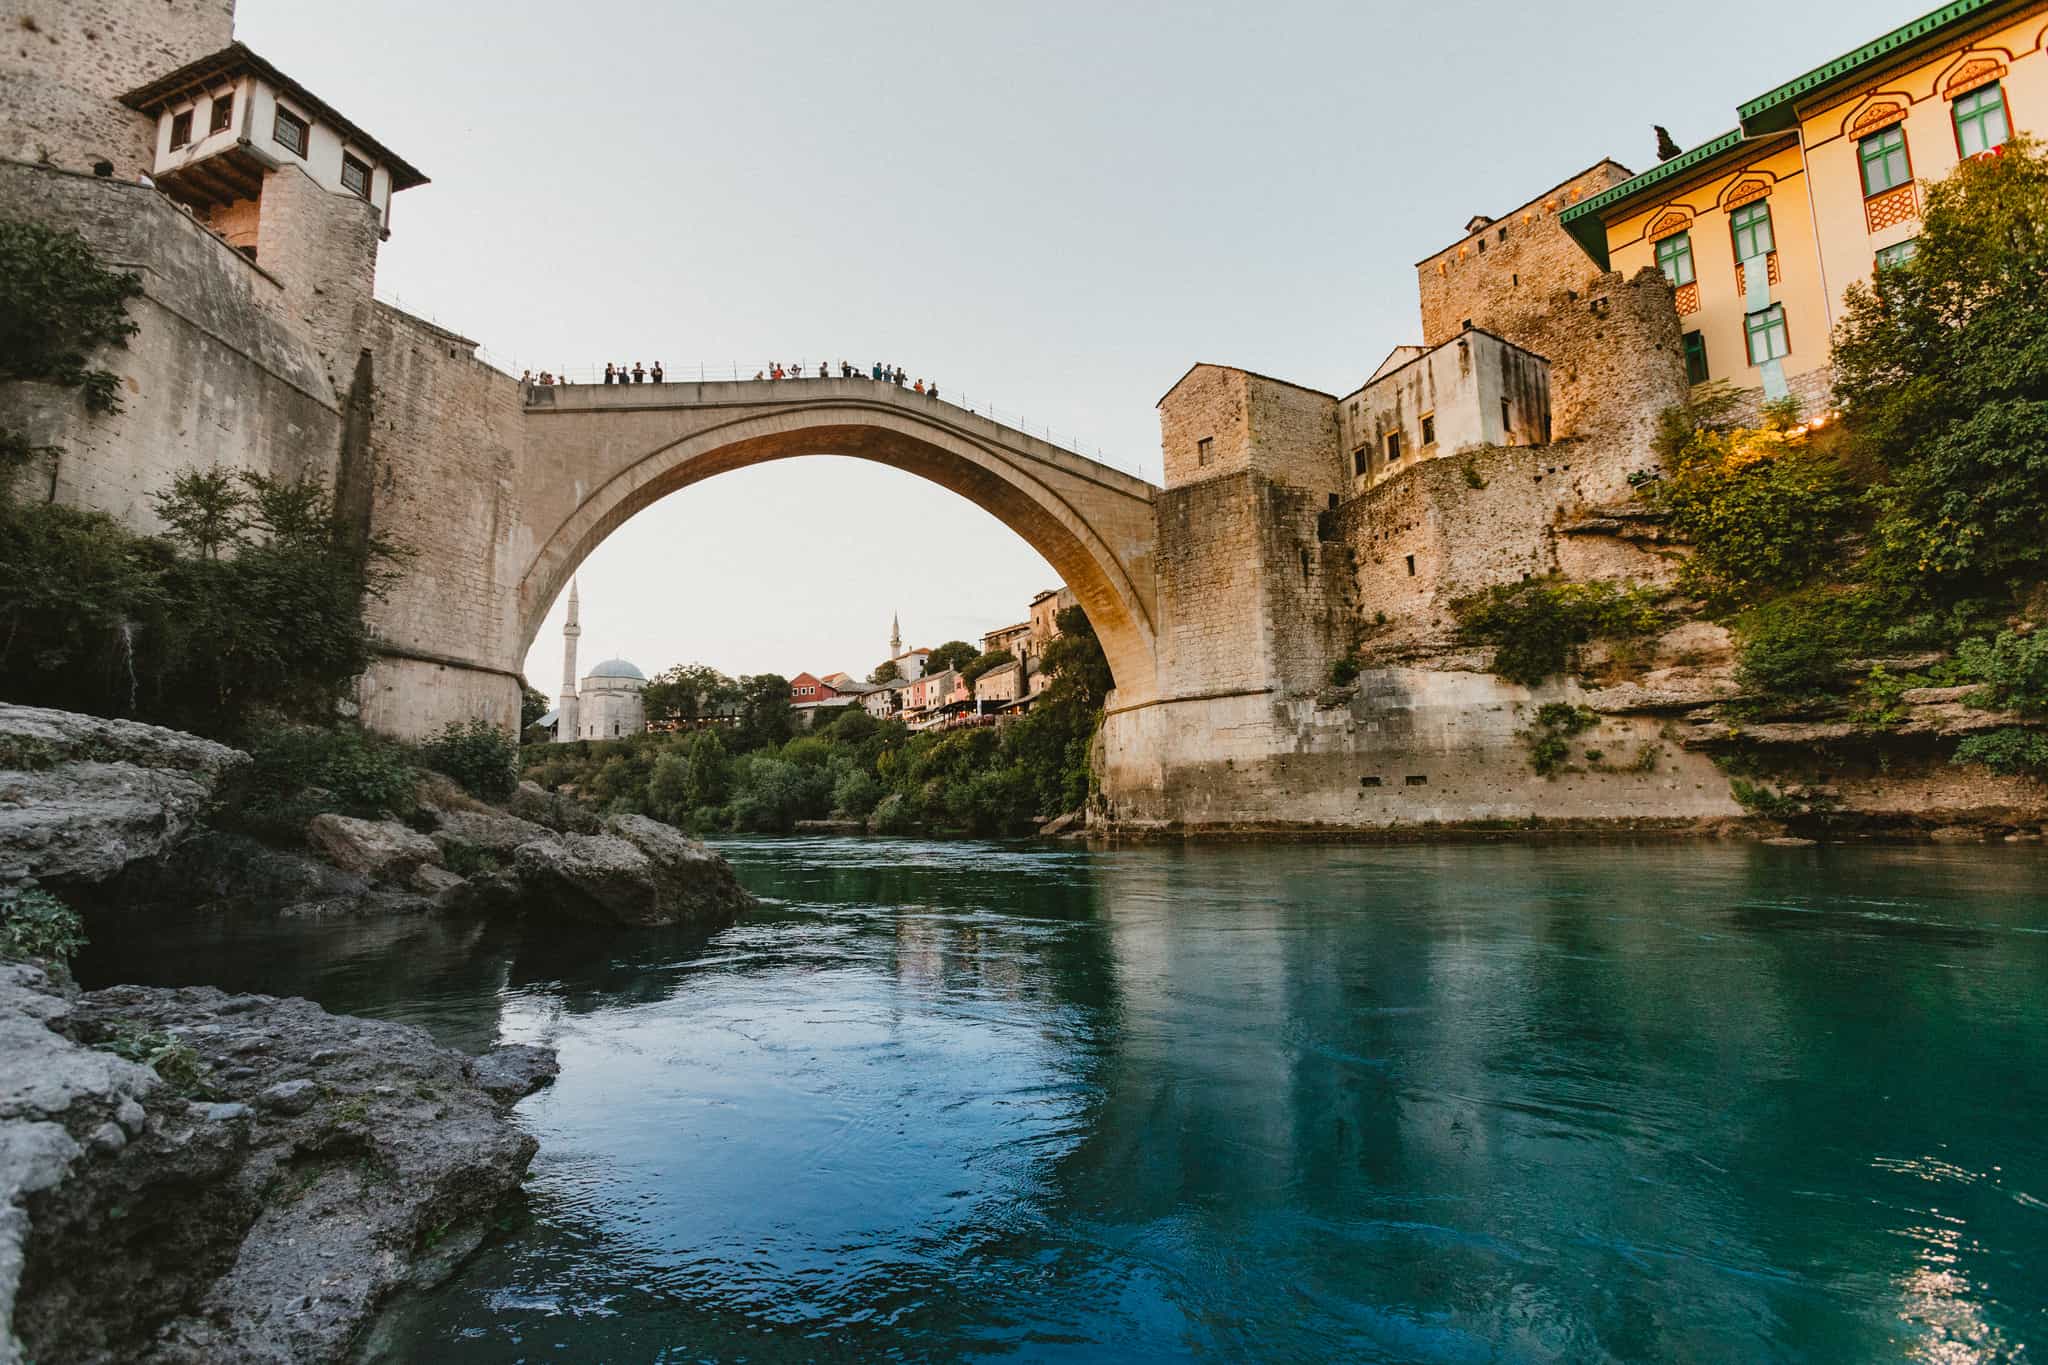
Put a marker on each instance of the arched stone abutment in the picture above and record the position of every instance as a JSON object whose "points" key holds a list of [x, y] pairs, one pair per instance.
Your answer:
{"points": [[592, 464]]}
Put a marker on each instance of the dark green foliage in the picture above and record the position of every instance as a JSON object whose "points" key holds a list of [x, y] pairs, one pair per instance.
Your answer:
{"points": [[885, 672], [1538, 626], [952, 654], [1549, 738], [1942, 369], [1763, 510], [1793, 648], [1345, 671], [2010, 752], [478, 754], [253, 602], [533, 704], [981, 780], [57, 306], [2013, 668], [764, 710], [688, 692], [36, 925], [303, 770]]}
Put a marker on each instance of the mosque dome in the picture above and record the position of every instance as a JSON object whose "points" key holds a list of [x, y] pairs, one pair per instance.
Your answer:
{"points": [[616, 668]]}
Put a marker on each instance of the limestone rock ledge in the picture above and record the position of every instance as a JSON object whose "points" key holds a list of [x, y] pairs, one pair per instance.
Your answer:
{"points": [[322, 1165], [81, 797]]}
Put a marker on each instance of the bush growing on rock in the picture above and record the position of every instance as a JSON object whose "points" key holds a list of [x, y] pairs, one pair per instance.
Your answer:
{"points": [[1537, 627], [35, 925], [479, 755], [2010, 752], [300, 771]]}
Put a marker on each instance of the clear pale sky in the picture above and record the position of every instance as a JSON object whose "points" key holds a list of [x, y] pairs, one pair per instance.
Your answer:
{"points": [[1056, 207]]}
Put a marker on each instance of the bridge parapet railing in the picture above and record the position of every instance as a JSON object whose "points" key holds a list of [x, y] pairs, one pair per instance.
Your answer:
{"points": [[580, 385]]}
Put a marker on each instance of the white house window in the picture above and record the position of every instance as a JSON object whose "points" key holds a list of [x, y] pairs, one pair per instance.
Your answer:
{"points": [[223, 113], [355, 176], [181, 130], [290, 131]]}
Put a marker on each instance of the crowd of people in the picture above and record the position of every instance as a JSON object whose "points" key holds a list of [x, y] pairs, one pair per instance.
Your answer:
{"points": [[880, 373], [639, 374]]}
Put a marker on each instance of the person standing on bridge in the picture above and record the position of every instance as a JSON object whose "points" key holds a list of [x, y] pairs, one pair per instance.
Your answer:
{"points": [[918, 387], [877, 374], [656, 372], [610, 375], [639, 374], [899, 376], [824, 371], [932, 392]]}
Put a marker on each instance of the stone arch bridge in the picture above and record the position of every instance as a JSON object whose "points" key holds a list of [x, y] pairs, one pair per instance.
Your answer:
{"points": [[572, 464]]}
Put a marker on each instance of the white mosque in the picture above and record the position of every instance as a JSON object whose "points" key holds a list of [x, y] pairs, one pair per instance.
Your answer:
{"points": [[606, 704]]}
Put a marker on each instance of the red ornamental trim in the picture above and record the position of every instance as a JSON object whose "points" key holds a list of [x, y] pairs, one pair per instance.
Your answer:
{"points": [[1982, 71], [1748, 192], [1875, 117]]}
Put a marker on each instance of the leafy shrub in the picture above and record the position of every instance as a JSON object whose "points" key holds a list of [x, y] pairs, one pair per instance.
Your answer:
{"points": [[1772, 804], [300, 771], [58, 305], [1537, 626], [1763, 510], [1345, 671], [2010, 752], [35, 924], [2013, 668], [479, 755], [1549, 739], [1792, 648]]}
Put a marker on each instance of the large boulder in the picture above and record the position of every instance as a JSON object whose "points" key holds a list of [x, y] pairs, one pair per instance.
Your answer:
{"points": [[311, 1166], [485, 831], [639, 872], [81, 797], [565, 814], [381, 850]]}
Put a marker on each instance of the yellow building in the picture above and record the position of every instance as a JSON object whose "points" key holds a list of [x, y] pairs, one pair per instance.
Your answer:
{"points": [[1818, 185]]}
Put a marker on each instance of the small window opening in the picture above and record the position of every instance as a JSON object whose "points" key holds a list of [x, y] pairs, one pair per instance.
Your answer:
{"points": [[1503, 233], [1360, 462], [290, 132], [355, 176], [223, 113], [1507, 424], [1411, 566], [1205, 450], [1304, 563], [1429, 428], [1393, 446], [1416, 780], [181, 130], [1368, 781]]}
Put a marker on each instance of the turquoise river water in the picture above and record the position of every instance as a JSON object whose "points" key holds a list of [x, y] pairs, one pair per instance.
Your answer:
{"points": [[947, 1101]]}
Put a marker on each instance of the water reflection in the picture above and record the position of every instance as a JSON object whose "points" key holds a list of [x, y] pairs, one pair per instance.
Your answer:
{"points": [[955, 1101]]}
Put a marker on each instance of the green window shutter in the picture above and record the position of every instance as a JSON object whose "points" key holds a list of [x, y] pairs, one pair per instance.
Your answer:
{"points": [[1980, 120], [1884, 161], [1695, 358], [1751, 225], [1766, 332], [1674, 258]]}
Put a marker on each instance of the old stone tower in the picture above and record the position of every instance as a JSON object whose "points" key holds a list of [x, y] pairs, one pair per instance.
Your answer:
{"points": [[569, 711]]}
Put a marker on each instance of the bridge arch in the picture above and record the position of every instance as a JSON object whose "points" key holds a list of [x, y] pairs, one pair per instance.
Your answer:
{"points": [[595, 456]]}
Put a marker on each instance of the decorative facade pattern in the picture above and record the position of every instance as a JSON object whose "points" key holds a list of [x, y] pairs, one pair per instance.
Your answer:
{"points": [[1771, 273], [1688, 298], [1893, 206]]}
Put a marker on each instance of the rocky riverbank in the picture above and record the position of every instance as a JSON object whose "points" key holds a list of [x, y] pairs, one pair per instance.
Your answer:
{"points": [[192, 1176]]}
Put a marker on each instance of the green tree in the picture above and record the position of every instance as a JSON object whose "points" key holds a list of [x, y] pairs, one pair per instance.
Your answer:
{"points": [[533, 704], [58, 305], [710, 775], [688, 692], [764, 710], [205, 510], [952, 654], [885, 672], [982, 663], [1941, 368]]}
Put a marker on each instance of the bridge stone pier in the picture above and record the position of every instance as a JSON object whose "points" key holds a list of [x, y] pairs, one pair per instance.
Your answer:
{"points": [[562, 468]]}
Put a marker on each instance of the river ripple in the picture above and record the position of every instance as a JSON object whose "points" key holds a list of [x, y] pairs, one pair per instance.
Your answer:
{"points": [[944, 1101]]}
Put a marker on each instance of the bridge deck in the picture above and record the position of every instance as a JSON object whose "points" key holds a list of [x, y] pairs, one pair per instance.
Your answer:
{"points": [[564, 399]]}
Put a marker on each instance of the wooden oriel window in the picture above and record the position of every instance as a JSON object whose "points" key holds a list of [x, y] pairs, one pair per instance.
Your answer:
{"points": [[290, 131], [181, 130], [223, 113]]}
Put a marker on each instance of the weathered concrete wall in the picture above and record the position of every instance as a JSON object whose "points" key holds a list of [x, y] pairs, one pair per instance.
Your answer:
{"points": [[323, 247], [215, 375], [1510, 267], [64, 64], [445, 452], [1459, 388], [1409, 748], [1281, 431]]}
